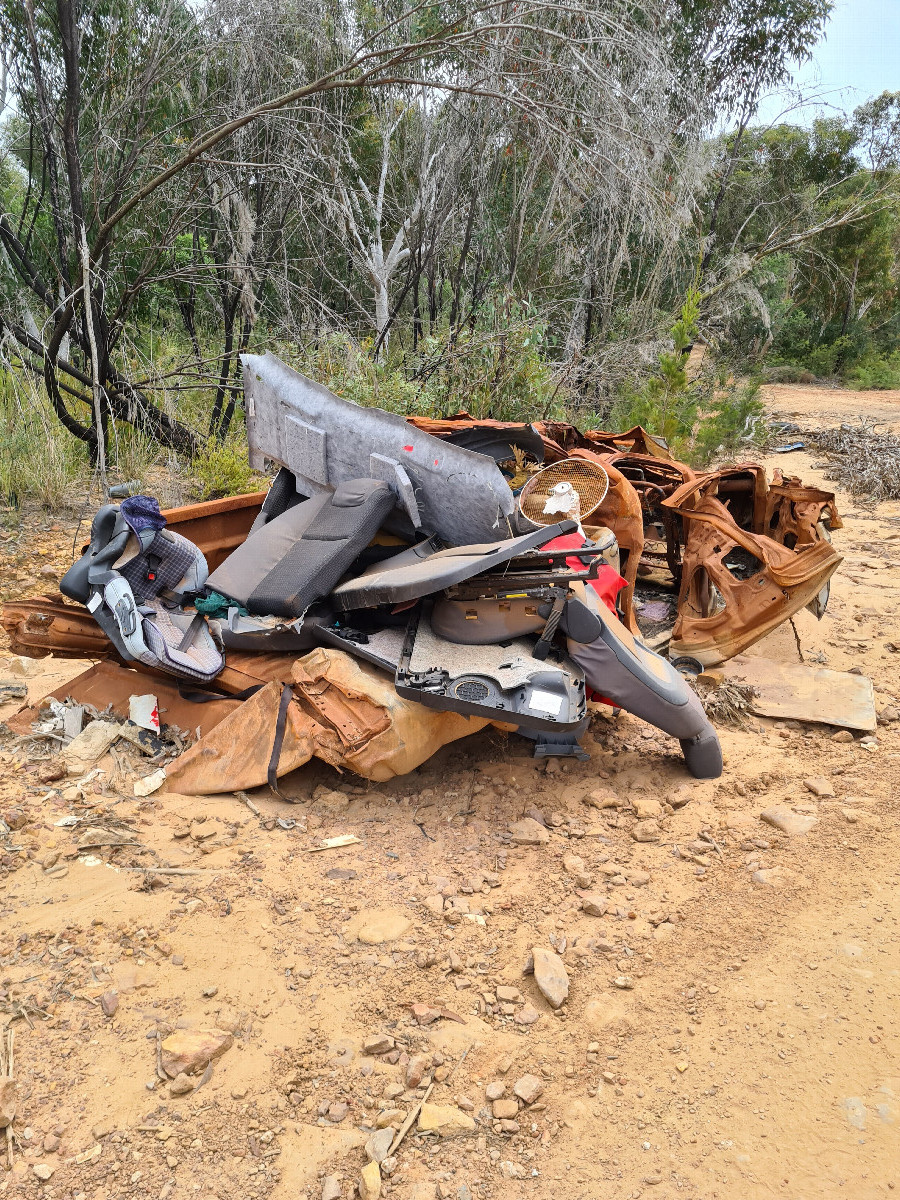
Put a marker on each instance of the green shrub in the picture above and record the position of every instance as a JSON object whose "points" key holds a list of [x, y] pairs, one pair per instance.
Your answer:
{"points": [[735, 420], [876, 373], [666, 404], [222, 469]]}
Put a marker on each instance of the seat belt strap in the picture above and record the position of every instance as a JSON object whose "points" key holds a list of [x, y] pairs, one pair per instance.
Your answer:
{"points": [[545, 641], [280, 727]]}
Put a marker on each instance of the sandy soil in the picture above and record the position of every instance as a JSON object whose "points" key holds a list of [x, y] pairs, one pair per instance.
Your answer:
{"points": [[731, 1028]]}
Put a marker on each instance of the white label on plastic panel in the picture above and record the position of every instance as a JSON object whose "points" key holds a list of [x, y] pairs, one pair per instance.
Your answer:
{"points": [[545, 702]]}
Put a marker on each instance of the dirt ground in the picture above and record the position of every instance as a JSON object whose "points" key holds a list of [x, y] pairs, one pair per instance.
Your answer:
{"points": [[731, 1028]]}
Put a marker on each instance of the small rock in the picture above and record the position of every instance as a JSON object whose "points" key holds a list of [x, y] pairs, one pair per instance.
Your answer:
{"points": [[593, 904], [528, 832], [341, 874], [333, 800], [331, 1188], [43, 1170], [51, 1143], [445, 1119], [337, 1112], [645, 831], [9, 1094], [784, 819], [387, 927], [889, 715], [528, 1088], [423, 1190], [623, 982], [495, 1090], [645, 807], [380, 1044], [819, 786], [415, 1070], [102, 1129], [388, 1165], [434, 904], [424, 1014], [181, 1085], [842, 735], [379, 1144], [109, 1003], [527, 1015], [551, 976], [505, 1110], [209, 992], [370, 1182], [759, 1004], [190, 1050], [778, 877], [239, 1092], [573, 864], [508, 995]]}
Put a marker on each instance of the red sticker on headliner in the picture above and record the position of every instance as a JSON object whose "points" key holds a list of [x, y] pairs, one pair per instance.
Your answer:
{"points": [[407, 447]]}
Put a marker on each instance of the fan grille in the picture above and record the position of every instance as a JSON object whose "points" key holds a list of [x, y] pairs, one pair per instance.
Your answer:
{"points": [[589, 480], [471, 689]]}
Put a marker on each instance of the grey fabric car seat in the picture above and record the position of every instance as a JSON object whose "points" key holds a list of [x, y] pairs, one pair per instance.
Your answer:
{"points": [[134, 577], [298, 556]]}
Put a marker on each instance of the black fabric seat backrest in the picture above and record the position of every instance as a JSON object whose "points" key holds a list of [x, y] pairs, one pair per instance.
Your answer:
{"points": [[281, 496], [299, 556]]}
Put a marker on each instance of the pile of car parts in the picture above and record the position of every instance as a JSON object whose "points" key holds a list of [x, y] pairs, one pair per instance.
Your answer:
{"points": [[388, 594]]}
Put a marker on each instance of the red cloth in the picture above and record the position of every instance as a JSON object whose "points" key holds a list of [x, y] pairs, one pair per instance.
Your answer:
{"points": [[608, 583]]}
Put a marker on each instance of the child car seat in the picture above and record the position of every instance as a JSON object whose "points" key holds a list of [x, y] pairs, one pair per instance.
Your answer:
{"points": [[134, 577]]}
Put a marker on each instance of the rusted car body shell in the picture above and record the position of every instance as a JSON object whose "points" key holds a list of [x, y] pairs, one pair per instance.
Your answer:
{"points": [[727, 600]]}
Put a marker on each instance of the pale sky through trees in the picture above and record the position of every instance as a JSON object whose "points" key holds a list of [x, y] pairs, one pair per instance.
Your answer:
{"points": [[859, 58]]}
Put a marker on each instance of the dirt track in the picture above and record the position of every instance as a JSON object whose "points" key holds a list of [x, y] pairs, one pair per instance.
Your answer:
{"points": [[755, 1054]]}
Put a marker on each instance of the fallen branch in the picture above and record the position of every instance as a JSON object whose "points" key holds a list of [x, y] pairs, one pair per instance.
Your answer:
{"points": [[408, 1123]]}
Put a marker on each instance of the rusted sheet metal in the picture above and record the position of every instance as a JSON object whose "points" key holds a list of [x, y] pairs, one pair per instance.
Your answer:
{"points": [[216, 527], [560, 439], [51, 625], [793, 513], [108, 684], [344, 712], [803, 693], [737, 585]]}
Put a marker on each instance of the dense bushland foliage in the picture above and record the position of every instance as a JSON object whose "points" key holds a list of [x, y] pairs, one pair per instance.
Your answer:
{"points": [[519, 209]]}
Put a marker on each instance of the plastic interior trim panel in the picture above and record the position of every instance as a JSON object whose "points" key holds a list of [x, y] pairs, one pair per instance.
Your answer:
{"points": [[502, 682], [324, 440], [393, 581]]}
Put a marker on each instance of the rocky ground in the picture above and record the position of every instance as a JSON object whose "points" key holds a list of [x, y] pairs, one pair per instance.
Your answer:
{"points": [[710, 1013]]}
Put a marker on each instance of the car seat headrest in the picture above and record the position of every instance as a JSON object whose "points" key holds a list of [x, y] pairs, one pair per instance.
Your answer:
{"points": [[354, 492]]}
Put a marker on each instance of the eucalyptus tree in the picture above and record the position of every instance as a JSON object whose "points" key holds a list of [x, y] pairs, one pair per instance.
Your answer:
{"points": [[118, 123]]}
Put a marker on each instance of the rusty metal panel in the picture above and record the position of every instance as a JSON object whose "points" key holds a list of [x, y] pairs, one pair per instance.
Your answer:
{"points": [[216, 527]]}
